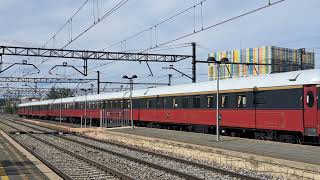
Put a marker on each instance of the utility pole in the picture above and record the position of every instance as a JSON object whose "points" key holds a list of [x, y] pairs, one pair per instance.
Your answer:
{"points": [[98, 82], [302, 53], [0, 63], [194, 67]]}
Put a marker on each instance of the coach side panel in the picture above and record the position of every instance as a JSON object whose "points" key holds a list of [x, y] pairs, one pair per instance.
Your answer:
{"points": [[318, 110], [280, 109]]}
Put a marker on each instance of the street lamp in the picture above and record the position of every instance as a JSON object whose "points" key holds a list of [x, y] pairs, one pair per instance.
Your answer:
{"points": [[131, 88], [60, 93], [218, 117], [85, 104]]}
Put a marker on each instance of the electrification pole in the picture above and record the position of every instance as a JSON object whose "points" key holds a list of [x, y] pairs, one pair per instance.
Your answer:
{"points": [[194, 66], [98, 82]]}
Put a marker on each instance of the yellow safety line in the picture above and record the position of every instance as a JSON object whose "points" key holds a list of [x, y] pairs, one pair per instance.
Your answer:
{"points": [[4, 178], [2, 172]]}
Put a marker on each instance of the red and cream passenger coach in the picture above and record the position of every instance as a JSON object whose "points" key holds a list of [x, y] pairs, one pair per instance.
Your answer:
{"points": [[281, 107]]}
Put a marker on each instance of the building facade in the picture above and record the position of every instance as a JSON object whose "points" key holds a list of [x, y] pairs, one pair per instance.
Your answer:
{"points": [[278, 59]]}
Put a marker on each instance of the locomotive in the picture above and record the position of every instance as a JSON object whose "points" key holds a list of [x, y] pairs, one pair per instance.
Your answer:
{"points": [[281, 107]]}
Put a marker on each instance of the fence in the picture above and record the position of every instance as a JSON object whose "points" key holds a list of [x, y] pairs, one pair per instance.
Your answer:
{"points": [[114, 118]]}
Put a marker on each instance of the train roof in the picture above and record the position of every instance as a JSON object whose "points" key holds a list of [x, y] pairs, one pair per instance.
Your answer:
{"points": [[302, 77]]}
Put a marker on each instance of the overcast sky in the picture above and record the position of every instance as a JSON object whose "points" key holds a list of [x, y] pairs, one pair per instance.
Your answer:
{"points": [[292, 23]]}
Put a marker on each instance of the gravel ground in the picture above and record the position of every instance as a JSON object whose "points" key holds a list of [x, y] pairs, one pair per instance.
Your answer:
{"points": [[192, 170], [185, 168], [5, 127], [37, 127], [75, 168], [19, 126], [186, 157], [136, 170]]}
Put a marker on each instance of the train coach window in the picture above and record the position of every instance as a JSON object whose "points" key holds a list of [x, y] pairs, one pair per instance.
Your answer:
{"points": [[210, 101], [128, 103], [196, 101], [148, 103], [174, 103], [310, 99], [241, 101], [165, 102], [160, 102], [185, 102], [224, 101]]}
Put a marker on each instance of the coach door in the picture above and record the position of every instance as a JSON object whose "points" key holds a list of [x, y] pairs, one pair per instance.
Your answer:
{"points": [[310, 110]]}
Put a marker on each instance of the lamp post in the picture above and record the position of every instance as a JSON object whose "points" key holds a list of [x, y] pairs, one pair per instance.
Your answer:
{"points": [[218, 117], [60, 106], [85, 104], [131, 89]]}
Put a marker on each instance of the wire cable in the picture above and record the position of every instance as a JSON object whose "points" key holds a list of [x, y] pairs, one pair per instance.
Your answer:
{"points": [[218, 24], [155, 26]]}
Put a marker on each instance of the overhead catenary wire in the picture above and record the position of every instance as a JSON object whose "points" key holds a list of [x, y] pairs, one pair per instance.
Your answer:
{"points": [[107, 14], [66, 23], [155, 25], [154, 49], [218, 24]]}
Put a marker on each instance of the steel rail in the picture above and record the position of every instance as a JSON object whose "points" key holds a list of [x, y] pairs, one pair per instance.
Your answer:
{"points": [[155, 166], [98, 165], [210, 168], [44, 161]]}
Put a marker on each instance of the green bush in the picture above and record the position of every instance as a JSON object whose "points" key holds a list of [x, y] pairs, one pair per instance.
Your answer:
{"points": [[10, 108]]}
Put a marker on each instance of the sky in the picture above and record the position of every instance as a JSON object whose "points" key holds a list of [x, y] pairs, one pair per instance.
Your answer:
{"points": [[292, 24]]}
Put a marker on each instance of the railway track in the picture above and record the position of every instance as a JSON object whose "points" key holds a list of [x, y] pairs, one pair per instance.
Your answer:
{"points": [[137, 163], [65, 163]]}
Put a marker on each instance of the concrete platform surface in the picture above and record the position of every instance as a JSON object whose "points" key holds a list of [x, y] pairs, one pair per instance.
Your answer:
{"points": [[293, 152], [14, 165]]}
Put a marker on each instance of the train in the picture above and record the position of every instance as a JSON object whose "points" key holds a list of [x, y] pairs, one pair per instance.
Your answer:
{"points": [[281, 107]]}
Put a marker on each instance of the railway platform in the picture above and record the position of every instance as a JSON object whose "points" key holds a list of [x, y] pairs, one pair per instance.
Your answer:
{"points": [[16, 164], [294, 152]]}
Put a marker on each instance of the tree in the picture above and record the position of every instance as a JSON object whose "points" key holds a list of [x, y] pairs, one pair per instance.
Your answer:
{"points": [[59, 93], [10, 107]]}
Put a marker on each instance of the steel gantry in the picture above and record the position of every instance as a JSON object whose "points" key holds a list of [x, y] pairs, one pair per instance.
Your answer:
{"points": [[86, 55], [89, 54]]}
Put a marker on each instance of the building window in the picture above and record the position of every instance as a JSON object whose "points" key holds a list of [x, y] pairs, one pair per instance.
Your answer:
{"points": [[185, 102], [241, 101], [210, 101], [196, 101], [224, 101]]}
